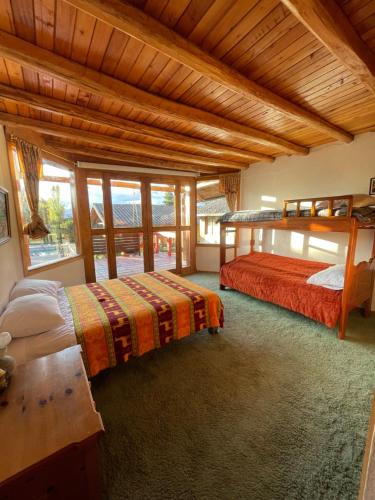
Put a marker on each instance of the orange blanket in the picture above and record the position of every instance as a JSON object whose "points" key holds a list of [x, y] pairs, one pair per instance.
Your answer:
{"points": [[282, 281], [119, 318]]}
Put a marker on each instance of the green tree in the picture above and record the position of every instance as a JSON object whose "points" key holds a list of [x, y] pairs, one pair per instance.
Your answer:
{"points": [[55, 213], [168, 198]]}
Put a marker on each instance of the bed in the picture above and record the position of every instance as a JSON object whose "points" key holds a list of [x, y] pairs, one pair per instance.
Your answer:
{"points": [[257, 273], [282, 280], [116, 319]]}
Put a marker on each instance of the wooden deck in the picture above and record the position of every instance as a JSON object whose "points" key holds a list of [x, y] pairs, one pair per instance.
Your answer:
{"points": [[126, 266]]}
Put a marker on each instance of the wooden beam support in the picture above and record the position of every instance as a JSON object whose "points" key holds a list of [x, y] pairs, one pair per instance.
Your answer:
{"points": [[78, 151], [42, 60], [132, 21], [46, 103], [326, 20], [49, 128]]}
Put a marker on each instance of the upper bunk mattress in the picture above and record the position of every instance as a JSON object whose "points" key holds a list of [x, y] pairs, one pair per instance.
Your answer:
{"points": [[364, 214], [282, 281]]}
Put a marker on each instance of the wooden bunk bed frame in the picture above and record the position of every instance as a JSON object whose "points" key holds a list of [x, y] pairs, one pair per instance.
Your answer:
{"points": [[359, 278]]}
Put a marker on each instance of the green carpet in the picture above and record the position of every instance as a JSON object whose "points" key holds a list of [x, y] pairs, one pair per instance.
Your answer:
{"points": [[274, 407]]}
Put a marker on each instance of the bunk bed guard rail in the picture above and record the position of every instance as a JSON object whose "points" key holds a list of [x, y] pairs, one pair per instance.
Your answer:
{"points": [[328, 202]]}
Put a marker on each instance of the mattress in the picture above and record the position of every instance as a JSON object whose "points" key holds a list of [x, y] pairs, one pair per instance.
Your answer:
{"points": [[28, 348], [363, 214], [282, 281], [119, 318]]}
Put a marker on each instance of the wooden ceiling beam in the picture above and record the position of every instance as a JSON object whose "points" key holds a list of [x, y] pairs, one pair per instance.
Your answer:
{"points": [[46, 103], [45, 61], [43, 127], [329, 24], [132, 21], [77, 151]]}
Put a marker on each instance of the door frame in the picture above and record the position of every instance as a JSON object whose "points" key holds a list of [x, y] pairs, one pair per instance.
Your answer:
{"points": [[146, 179]]}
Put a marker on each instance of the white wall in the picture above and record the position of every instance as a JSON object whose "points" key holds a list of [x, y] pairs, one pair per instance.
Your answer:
{"points": [[10, 255], [328, 170], [208, 258], [69, 273]]}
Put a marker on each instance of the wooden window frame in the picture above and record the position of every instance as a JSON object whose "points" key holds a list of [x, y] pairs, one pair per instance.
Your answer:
{"points": [[146, 179], [30, 270]]}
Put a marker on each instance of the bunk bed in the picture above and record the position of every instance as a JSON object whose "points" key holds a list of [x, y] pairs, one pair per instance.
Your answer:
{"points": [[283, 280]]}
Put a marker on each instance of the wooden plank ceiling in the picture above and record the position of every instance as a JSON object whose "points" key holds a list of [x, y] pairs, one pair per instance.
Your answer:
{"points": [[93, 91]]}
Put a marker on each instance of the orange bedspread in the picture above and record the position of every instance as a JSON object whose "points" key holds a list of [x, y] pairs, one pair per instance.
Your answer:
{"points": [[282, 281], [119, 318]]}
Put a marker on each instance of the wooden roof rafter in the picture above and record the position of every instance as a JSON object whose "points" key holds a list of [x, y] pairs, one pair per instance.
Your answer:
{"points": [[132, 21], [45, 61], [49, 128], [45, 103], [81, 152], [327, 21]]}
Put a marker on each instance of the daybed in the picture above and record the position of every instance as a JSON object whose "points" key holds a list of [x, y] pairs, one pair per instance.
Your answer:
{"points": [[282, 280], [119, 318]]}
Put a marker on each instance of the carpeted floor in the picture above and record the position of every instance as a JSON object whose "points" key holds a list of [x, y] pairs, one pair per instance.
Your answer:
{"points": [[274, 407]]}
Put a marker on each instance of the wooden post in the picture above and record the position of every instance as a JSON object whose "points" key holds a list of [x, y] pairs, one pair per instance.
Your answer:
{"points": [[252, 240], [368, 302], [345, 301], [223, 233]]}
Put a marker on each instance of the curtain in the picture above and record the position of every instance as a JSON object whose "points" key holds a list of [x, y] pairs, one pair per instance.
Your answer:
{"points": [[30, 163], [230, 186]]}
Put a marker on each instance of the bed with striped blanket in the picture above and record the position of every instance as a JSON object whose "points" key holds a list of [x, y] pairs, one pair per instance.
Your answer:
{"points": [[124, 317]]}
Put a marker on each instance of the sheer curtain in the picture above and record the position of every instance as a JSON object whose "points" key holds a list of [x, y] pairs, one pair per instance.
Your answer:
{"points": [[30, 163], [230, 186]]}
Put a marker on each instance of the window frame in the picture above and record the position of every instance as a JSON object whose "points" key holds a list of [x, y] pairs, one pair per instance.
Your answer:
{"points": [[59, 163], [211, 245]]}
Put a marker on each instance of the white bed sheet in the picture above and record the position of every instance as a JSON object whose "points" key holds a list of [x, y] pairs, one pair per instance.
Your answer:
{"points": [[28, 348]]}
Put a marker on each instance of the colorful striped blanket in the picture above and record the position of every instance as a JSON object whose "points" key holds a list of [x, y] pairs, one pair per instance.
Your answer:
{"points": [[119, 318]]}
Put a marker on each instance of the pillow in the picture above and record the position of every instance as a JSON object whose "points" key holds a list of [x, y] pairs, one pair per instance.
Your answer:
{"points": [[29, 286], [363, 200], [30, 315], [332, 277], [359, 201]]}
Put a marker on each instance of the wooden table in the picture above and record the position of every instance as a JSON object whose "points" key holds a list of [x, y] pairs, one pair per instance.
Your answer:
{"points": [[49, 431], [367, 488]]}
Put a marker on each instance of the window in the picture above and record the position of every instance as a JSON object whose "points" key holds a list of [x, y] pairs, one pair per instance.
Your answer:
{"points": [[211, 204], [55, 208]]}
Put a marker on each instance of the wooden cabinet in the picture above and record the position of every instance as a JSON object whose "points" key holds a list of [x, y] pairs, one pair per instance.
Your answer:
{"points": [[49, 431]]}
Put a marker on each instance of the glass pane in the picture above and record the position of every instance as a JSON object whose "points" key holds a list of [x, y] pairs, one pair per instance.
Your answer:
{"points": [[164, 250], [99, 244], [208, 211], [185, 205], [230, 237], [95, 192], [185, 248], [163, 199], [48, 249], [129, 254], [126, 203]]}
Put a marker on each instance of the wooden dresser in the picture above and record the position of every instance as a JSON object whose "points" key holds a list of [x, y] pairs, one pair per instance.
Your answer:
{"points": [[49, 431]]}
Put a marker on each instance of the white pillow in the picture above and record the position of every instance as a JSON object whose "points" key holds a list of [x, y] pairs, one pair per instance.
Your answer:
{"points": [[30, 286], [332, 277], [30, 315]]}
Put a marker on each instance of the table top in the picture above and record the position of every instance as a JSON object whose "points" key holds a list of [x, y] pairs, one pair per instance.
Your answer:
{"points": [[47, 407]]}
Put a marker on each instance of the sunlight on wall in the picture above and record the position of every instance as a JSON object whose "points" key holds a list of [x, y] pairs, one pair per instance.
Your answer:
{"points": [[328, 246], [272, 199], [296, 242], [273, 237], [267, 208]]}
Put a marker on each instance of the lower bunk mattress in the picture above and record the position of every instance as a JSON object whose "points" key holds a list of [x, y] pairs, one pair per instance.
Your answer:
{"points": [[124, 317], [282, 281]]}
